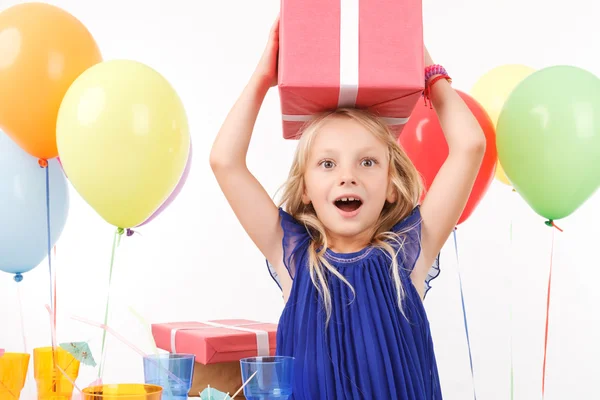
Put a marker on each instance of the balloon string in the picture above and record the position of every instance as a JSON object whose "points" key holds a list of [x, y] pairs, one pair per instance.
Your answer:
{"points": [[116, 238], [44, 164], [21, 316], [48, 237], [57, 367], [462, 299], [547, 317], [55, 294], [512, 374], [24, 337]]}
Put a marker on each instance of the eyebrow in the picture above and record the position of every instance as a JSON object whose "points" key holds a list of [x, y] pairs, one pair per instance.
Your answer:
{"points": [[369, 149]]}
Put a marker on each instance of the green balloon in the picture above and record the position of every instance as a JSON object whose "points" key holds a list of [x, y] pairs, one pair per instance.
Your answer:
{"points": [[548, 139]]}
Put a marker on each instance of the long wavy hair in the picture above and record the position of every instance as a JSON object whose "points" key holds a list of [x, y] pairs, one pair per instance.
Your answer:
{"points": [[406, 184]]}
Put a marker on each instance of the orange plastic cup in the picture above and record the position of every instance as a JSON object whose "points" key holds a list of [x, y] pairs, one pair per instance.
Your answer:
{"points": [[51, 383], [126, 391], [13, 373]]}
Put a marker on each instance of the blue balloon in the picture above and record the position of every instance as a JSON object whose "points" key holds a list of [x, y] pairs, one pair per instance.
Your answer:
{"points": [[23, 215]]}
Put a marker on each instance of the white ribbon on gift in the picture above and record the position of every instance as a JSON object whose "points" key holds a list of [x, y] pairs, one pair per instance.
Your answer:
{"points": [[262, 336], [349, 62], [349, 57]]}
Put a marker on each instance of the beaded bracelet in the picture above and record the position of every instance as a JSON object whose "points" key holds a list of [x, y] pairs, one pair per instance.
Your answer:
{"points": [[434, 69], [428, 85]]}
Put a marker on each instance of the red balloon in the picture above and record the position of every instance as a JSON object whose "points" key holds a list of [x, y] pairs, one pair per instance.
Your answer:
{"points": [[423, 140]]}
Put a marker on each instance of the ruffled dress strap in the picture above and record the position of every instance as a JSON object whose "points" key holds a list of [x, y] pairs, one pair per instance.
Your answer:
{"points": [[409, 230], [295, 242]]}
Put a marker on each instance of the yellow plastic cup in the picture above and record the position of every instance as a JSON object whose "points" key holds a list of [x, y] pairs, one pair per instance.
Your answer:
{"points": [[125, 391], [52, 384], [13, 373]]}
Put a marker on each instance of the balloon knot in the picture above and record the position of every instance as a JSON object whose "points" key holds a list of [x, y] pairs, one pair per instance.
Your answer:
{"points": [[514, 190], [43, 162], [130, 232], [18, 278], [551, 224], [120, 231]]}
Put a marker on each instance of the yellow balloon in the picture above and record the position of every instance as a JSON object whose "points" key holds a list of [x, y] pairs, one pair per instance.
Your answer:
{"points": [[492, 90], [123, 140], [501, 175]]}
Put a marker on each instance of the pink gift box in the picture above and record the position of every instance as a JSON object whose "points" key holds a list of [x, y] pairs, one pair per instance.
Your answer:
{"points": [[217, 341], [349, 53]]}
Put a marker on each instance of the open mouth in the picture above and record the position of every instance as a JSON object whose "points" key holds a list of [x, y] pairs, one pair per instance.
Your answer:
{"points": [[348, 204]]}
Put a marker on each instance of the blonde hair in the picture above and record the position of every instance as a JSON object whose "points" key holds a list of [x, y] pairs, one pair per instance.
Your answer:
{"points": [[407, 187]]}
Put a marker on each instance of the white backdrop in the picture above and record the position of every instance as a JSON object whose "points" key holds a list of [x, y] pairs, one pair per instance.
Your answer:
{"points": [[195, 262]]}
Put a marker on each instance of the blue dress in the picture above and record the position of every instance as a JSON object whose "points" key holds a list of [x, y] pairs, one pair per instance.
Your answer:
{"points": [[369, 350]]}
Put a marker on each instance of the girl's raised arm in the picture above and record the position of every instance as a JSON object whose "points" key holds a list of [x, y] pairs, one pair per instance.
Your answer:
{"points": [[250, 202]]}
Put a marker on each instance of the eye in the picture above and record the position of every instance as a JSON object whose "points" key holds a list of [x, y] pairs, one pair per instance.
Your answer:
{"points": [[368, 162], [327, 164]]}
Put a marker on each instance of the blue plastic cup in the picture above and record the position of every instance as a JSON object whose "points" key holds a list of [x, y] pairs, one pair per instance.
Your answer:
{"points": [[173, 372], [271, 377]]}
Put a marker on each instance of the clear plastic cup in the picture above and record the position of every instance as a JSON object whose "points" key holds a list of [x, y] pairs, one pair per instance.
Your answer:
{"points": [[180, 366], [271, 377]]}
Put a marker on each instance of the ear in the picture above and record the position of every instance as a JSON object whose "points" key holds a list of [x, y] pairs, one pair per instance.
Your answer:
{"points": [[392, 196], [305, 198]]}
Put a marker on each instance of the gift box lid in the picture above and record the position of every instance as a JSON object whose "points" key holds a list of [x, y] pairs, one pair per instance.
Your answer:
{"points": [[218, 340]]}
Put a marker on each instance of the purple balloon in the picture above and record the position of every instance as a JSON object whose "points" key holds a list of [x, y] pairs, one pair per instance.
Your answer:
{"points": [[175, 191]]}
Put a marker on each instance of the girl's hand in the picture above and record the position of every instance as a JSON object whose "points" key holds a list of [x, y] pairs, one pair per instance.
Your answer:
{"points": [[266, 70]]}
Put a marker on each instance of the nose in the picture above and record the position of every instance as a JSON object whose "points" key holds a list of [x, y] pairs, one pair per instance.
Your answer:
{"points": [[347, 179]]}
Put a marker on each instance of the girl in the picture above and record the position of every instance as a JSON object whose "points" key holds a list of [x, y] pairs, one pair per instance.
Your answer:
{"points": [[353, 250]]}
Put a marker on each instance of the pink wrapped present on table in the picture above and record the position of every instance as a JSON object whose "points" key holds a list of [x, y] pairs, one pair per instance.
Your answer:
{"points": [[217, 341], [349, 53], [218, 347]]}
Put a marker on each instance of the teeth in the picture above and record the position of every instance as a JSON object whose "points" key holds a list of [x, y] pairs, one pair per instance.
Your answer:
{"points": [[347, 199], [351, 199]]}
